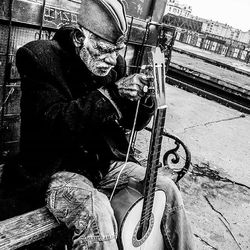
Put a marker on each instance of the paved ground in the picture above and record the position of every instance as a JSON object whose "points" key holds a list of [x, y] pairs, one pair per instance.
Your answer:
{"points": [[216, 190]]}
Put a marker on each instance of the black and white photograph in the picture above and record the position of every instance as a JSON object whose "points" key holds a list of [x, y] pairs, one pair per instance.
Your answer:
{"points": [[124, 125]]}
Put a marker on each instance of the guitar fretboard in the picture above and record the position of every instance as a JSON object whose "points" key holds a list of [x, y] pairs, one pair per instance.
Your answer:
{"points": [[153, 164]]}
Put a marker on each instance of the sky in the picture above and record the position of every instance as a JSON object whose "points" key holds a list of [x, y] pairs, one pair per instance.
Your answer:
{"points": [[235, 13]]}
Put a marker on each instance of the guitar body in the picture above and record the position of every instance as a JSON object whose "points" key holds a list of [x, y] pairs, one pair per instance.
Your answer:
{"points": [[127, 205]]}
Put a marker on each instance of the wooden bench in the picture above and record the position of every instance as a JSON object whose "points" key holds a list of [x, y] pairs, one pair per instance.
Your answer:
{"points": [[28, 228]]}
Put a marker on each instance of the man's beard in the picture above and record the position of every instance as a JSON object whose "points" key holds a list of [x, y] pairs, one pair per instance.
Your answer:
{"points": [[97, 67]]}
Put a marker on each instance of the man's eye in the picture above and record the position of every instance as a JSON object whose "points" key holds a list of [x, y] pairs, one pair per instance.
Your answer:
{"points": [[103, 51]]}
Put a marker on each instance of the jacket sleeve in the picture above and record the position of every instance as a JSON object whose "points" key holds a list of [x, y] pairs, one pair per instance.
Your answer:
{"points": [[47, 104]]}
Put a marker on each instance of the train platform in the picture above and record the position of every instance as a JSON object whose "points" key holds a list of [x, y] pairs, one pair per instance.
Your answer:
{"points": [[216, 190], [237, 64], [221, 70]]}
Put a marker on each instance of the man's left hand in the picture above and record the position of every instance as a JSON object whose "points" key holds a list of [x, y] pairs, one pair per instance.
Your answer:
{"points": [[133, 87]]}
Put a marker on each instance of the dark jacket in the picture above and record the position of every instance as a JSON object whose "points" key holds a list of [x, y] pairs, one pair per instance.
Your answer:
{"points": [[66, 123]]}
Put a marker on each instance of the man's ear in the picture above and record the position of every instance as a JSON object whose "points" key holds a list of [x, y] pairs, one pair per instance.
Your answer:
{"points": [[78, 37]]}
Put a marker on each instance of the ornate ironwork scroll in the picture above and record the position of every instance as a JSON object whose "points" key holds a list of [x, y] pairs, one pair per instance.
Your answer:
{"points": [[175, 154]]}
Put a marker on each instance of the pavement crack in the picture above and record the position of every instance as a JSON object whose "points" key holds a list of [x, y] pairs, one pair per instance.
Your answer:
{"points": [[224, 120], [211, 205], [204, 241], [235, 183], [227, 226], [231, 233], [217, 121]]}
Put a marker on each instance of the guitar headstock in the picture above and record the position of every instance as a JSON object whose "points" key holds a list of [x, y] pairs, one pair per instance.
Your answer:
{"points": [[156, 60]]}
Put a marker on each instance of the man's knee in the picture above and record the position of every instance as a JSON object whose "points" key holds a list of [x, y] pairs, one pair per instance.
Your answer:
{"points": [[171, 190], [69, 196], [82, 207]]}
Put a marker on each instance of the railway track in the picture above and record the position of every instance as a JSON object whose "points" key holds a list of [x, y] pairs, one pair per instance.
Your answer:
{"points": [[236, 98]]}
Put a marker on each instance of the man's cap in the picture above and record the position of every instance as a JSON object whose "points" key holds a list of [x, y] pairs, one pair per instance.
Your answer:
{"points": [[104, 18]]}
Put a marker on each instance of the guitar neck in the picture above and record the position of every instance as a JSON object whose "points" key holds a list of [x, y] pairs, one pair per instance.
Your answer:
{"points": [[153, 163], [156, 60]]}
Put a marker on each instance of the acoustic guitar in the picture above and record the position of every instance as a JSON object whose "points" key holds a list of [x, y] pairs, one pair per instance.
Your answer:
{"points": [[139, 207]]}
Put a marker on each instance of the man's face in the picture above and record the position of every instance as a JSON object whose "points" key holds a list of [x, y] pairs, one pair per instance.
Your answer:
{"points": [[99, 55]]}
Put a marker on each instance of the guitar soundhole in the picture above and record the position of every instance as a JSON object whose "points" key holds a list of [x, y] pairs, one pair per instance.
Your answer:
{"points": [[140, 233], [138, 237]]}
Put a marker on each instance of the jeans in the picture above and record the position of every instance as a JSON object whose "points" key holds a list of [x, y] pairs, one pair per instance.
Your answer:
{"points": [[86, 210]]}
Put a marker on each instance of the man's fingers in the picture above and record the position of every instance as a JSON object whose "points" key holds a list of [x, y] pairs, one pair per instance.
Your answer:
{"points": [[143, 78], [133, 87], [130, 94]]}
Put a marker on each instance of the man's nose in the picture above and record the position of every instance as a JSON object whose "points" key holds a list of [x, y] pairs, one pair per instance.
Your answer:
{"points": [[111, 58]]}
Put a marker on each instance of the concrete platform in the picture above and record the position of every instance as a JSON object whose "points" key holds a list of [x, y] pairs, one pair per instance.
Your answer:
{"points": [[216, 190], [213, 132]]}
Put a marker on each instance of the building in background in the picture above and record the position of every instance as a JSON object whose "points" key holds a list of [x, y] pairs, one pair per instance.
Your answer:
{"points": [[225, 30], [207, 34], [176, 8]]}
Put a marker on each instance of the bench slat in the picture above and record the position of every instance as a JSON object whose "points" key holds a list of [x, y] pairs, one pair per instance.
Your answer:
{"points": [[27, 228]]}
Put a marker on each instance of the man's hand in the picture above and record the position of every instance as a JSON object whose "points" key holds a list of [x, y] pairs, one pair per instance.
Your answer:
{"points": [[133, 87]]}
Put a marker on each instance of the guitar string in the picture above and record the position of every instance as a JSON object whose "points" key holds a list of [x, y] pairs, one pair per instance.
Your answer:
{"points": [[151, 185], [128, 150], [149, 197], [147, 214], [151, 180], [149, 200]]}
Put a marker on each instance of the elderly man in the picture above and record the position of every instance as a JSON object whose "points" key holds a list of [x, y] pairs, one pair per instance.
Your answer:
{"points": [[76, 104]]}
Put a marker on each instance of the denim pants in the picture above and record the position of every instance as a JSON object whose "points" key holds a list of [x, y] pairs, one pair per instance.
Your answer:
{"points": [[86, 210]]}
